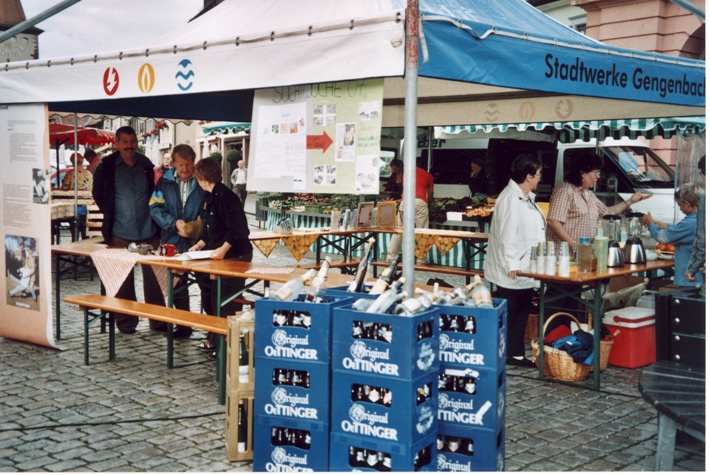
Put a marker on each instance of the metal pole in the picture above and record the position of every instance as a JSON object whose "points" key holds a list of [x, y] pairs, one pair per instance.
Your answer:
{"points": [[19, 28], [410, 141]]}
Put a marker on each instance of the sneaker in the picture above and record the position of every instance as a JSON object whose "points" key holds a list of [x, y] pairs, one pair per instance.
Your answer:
{"points": [[522, 363]]}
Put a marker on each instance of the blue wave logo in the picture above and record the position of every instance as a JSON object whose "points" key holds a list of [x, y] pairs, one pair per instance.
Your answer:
{"points": [[185, 74]]}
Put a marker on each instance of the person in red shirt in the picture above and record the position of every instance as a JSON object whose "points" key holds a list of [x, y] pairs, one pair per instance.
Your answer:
{"points": [[424, 193]]}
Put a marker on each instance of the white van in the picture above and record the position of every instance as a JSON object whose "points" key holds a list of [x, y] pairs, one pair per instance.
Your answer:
{"points": [[629, 166]]}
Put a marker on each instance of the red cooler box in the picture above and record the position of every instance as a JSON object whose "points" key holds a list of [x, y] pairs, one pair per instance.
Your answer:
{"points": [[635, 343]]}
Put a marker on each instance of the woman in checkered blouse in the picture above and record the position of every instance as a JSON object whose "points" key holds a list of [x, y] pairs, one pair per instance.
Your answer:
{"points": [[574, 208]]}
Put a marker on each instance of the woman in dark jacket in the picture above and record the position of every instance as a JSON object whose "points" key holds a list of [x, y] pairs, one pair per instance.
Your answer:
{"points": [[226, 232]]}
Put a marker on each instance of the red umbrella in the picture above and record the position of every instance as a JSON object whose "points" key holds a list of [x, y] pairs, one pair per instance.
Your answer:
{"points": [[64, 134]]}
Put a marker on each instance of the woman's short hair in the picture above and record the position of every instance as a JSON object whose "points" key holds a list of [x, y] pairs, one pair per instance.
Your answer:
{"points": [[478, 161], [690, 192], [524, 164], [397, 163], [582, 163], [209, 169]]}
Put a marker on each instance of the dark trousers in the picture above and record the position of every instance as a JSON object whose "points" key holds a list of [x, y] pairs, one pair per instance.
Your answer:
{"points": [[181, 300], [519, 305], [241, 191], [151, 288]]}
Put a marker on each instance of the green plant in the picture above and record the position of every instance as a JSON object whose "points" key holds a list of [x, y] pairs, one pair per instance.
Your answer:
{"points": [[234, 155], [216, 155]]}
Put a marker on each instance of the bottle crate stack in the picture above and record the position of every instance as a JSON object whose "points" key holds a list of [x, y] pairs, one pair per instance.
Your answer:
{"points": [[384, 391], [240, 388], [471, 384], [293, 377]]}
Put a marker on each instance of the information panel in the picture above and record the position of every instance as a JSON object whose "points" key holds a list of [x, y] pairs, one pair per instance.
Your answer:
{"points": [[322, 138], [25, 215]]}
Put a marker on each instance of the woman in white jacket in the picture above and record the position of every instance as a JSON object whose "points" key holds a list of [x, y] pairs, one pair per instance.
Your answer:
{"points": [[518, 224]]}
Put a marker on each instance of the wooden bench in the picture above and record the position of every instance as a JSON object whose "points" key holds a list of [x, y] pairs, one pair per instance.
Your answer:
{"points": [[438, 269], [171, 316], [675, 384]]}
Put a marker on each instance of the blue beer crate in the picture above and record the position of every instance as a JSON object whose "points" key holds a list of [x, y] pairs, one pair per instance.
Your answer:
{"points": [[350, 453], [289, 445], [461, 449], [477, 405], [483, 345], [277, 336], [389, 409], [289, 398], [397, 352]]}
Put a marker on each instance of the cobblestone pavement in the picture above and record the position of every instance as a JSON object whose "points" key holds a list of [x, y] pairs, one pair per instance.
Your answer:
{"points": [[135, 415]]}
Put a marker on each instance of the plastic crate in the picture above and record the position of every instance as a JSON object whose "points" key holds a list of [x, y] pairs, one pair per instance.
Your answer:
{"points": [[461, 449], [344, 450], [275, 457], [403, 420], [288, 400], [485, 346], [402, 355], [295, 342], [239, 449], [482, 407]]}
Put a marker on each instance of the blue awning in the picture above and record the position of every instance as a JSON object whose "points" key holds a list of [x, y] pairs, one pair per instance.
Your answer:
{"points": [[567, 132]]}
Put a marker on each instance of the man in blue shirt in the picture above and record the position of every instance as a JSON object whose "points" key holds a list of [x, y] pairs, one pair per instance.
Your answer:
{"points": [[123, 184], [681, 234]]}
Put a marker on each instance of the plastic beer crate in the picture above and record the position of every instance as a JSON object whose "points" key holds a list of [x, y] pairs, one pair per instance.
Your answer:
{"points": [[272, 455]]}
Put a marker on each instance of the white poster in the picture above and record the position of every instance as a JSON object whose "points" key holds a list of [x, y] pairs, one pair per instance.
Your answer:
{"points": [[318, 138], [25, 214]]}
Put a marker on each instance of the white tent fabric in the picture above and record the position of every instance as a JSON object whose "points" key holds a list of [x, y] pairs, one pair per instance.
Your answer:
{"points": [[481, 61]]}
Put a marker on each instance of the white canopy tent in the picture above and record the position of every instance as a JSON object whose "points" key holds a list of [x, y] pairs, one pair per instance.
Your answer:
{"points": [[480, 62]]}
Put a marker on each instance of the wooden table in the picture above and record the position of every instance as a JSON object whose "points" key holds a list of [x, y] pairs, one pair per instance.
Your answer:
{"points": [[554, 288]]}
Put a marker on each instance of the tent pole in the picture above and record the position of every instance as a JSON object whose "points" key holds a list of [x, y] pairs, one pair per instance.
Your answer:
{"points": [[410, 141]]}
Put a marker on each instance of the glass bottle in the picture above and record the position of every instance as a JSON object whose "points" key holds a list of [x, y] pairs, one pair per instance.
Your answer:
{"points": [[291, 289], [243, 357], [386, 277], [480, 294], [361, 272], [319, 283], [242, 427], [385, 300]]}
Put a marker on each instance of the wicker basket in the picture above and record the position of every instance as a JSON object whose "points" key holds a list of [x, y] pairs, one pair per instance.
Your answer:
{"points": [[604, 350], [559, 364], [532, 330]]}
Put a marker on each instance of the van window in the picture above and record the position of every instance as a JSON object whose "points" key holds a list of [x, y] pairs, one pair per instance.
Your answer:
{"points": [[644, 168]]}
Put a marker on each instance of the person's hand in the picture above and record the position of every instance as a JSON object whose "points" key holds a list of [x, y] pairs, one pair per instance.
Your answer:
{"points": [[180, 226], [197, 246], [647, 219], [639, 196], [689, 277], [513, 274], [219, 253]]}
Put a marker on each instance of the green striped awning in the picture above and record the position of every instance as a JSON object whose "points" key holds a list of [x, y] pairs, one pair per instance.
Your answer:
{"points": [[567, 132], [215, 128]]}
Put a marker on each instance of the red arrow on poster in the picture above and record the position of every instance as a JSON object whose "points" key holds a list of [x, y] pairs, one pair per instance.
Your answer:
{"points": [[315, 142]]}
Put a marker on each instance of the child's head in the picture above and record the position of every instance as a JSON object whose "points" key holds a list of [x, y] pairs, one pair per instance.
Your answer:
{"points": [[688, 197]]}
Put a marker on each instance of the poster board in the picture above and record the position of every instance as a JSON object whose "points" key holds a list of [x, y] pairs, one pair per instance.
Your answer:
{"points": [[25, 214], [364, 214], [319, 138], [386, 214]]}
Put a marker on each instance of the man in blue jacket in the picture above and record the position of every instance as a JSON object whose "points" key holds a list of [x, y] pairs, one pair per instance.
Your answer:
{"points": [[175, 206]]}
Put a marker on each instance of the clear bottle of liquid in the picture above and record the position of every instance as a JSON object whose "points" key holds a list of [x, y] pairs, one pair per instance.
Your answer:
{"points": [[319, 283], [386, 277], [584, 255], [291, 289], [385, 300], [361, 272], [243, 357], [414, 305], [242, 426], [459, 296], [480, 294]]}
